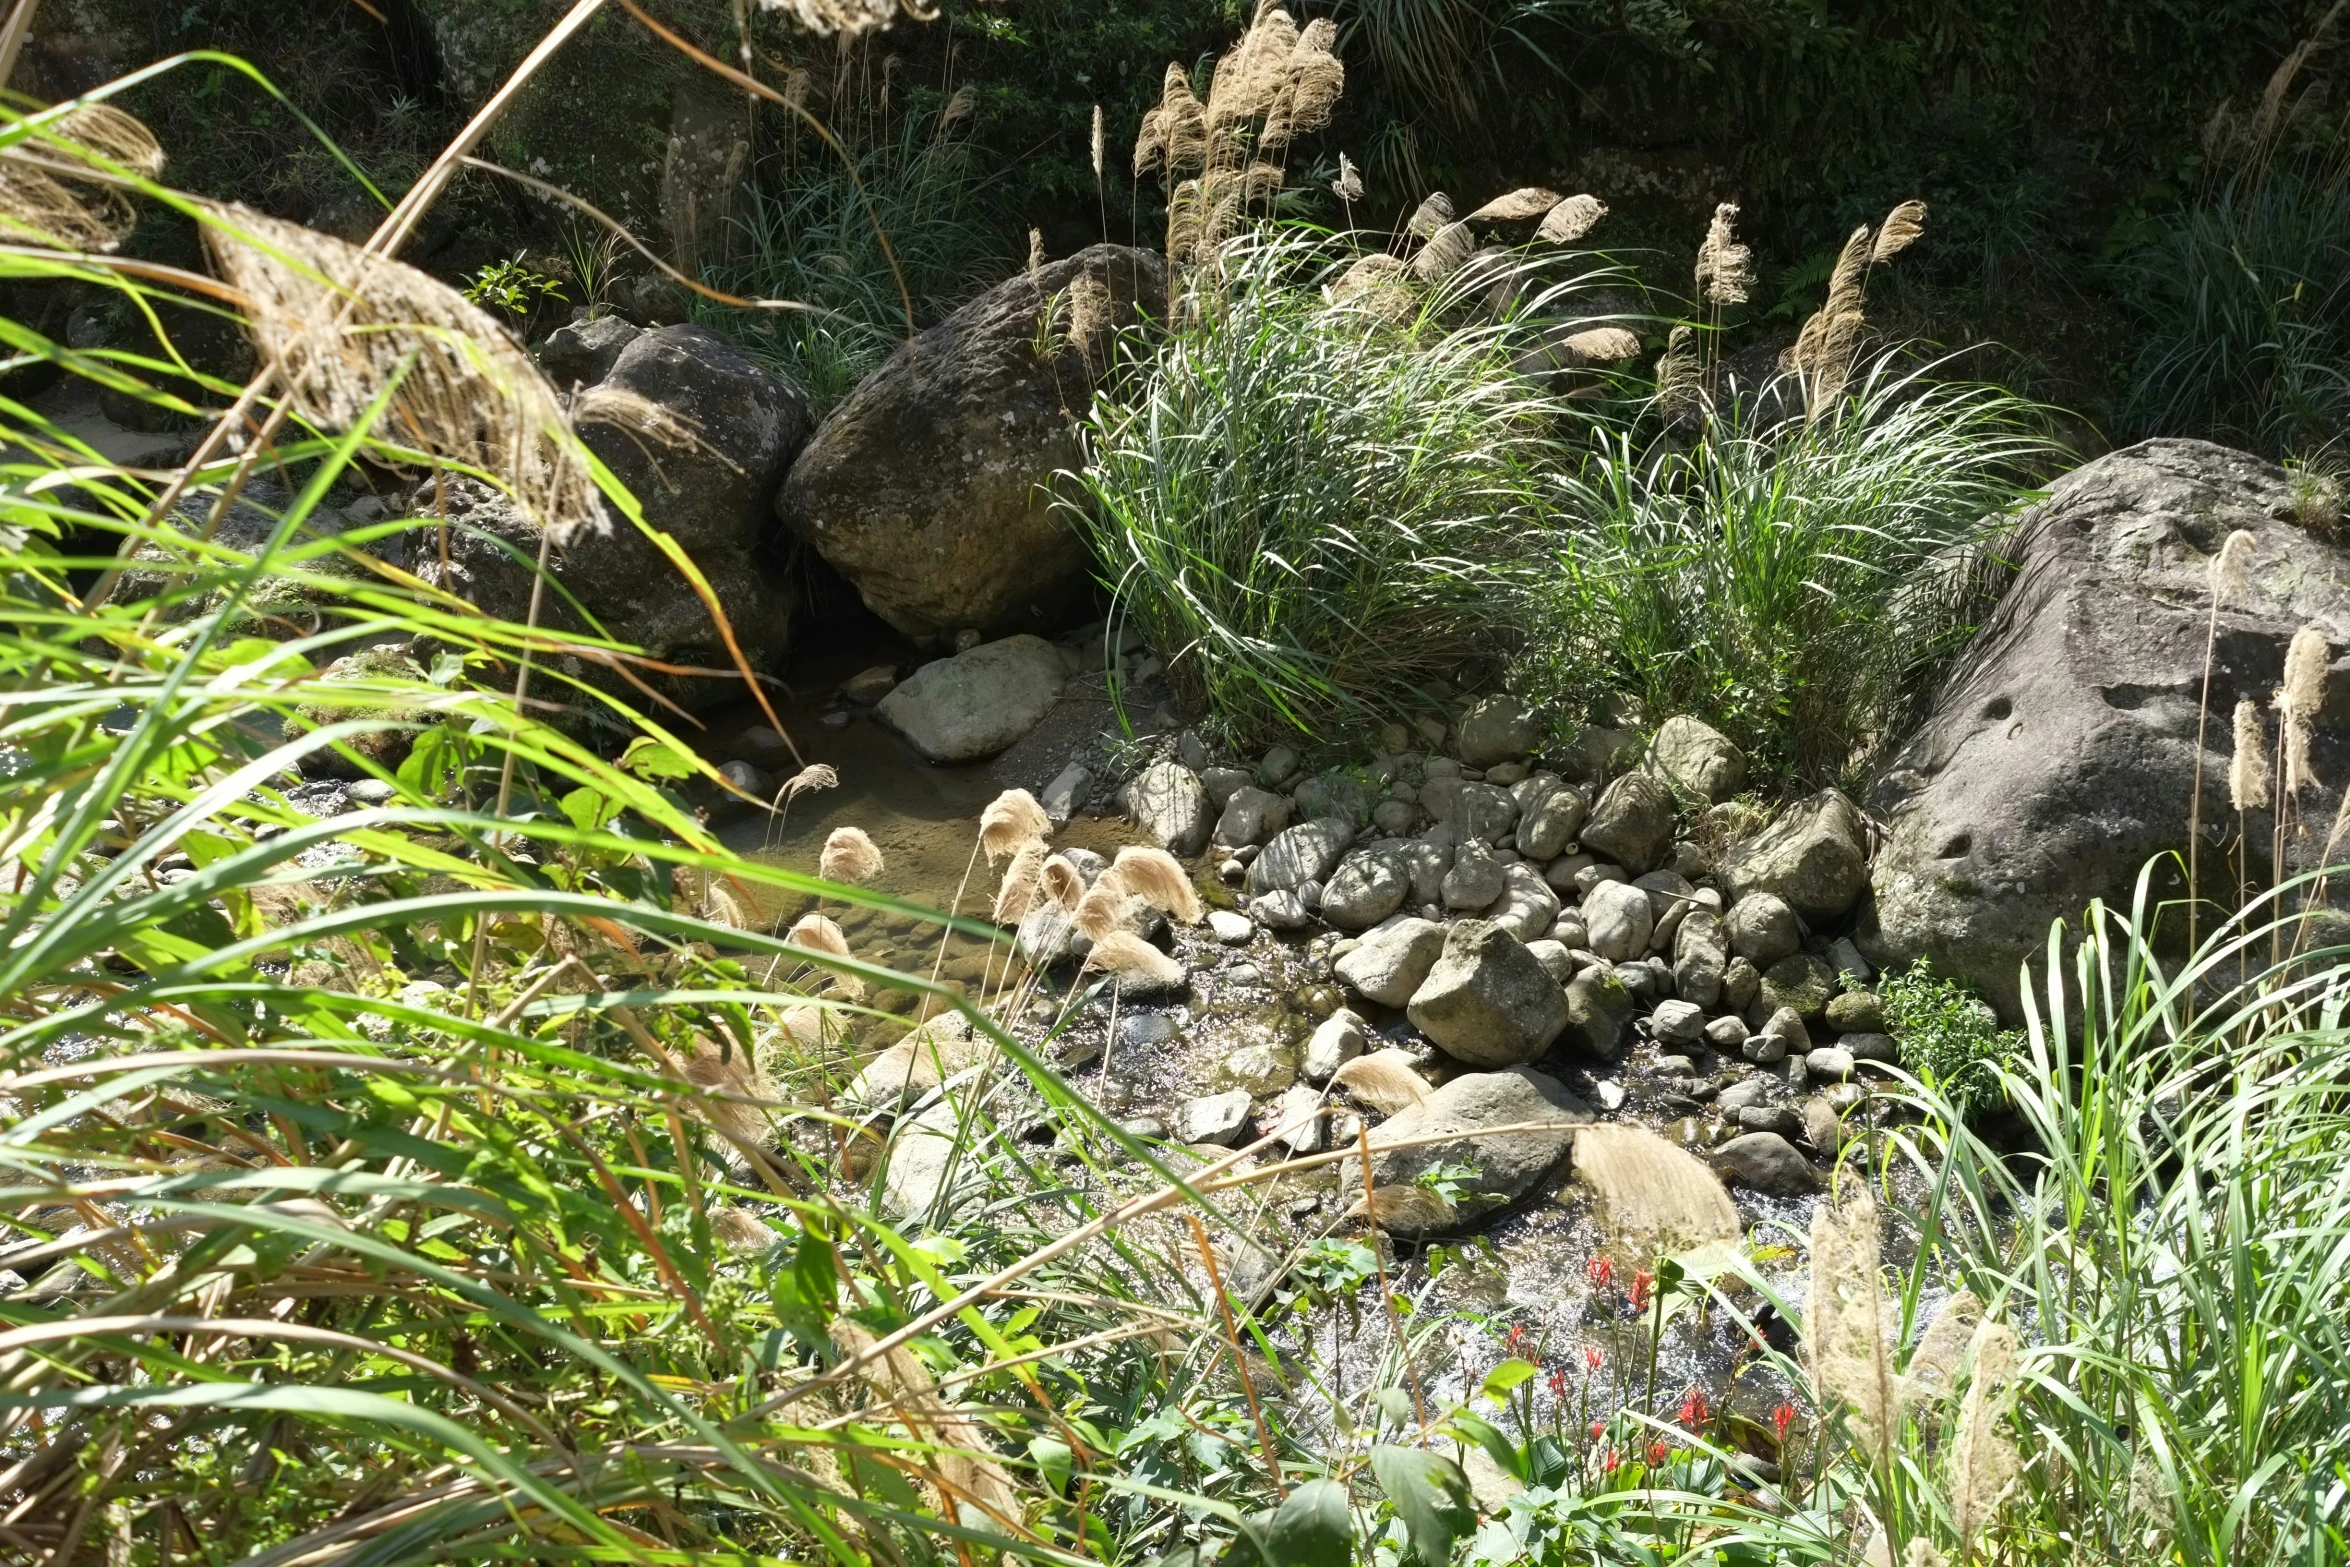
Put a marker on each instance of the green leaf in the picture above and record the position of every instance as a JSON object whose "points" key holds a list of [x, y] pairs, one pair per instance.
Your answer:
{"points": [[1430, 1495], [650, 758], [1053, 1460], [1394, 1403], [1505, 1376], [1312, 1528], [1488, 1436]]}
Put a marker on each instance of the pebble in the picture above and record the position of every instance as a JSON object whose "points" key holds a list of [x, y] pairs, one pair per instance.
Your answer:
{"points": [[1746, 1091], [1764, 1049], [1782, 1119], [1609, 1093], [1145, 1126], [1233, 930], [1680, 1022], [1215, 1119], [1243, 974], [1145, 1029], [834, 720], [371, 791], [1726, 1033], [1676, 1066], [1233, 869]]}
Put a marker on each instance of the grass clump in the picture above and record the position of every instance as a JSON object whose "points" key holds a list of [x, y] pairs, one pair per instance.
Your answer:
{"points": [[1949, 1037], [1308, 510], [1794, 582]]}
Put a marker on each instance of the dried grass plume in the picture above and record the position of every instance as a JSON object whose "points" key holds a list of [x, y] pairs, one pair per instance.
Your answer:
{"points": [[1158, 879], [2249, 779], [1385, 1080], [1844, 1325], [1570, 220], [1123, 953], [1012, 819], [850, 857]]}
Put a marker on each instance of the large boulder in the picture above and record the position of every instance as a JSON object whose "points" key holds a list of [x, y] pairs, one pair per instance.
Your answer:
{"points": [[1392, 962], [1470, 1109], [1307, 852], [2062, 756], [1169, 802], [1696, 759], [928, 487], [1632, 824], [1488, 1001], [705, 484], [1366, 889], [979, 702], [1814, 856]]}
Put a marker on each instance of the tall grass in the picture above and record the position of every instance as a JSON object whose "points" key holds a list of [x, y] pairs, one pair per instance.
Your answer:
{"points": [[2244, 303], [903, 217], [1311, 510], [1794, 583]]}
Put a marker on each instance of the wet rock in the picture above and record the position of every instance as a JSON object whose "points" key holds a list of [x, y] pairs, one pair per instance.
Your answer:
{"points": [[1527, 907], [1814, 856], [1495, 729], [1488, 1001], [1341, 1037], [1678, 1022], [1783, 1120], [1633, 822], [1214, 1120], [1599, 1012], [1800, 984], [1742, 1094], [1696, 759], [1047, 937], [975, 704], [1616, 914], [1762, 928], [1169, 802], [1260, 1069], [1786, 1026], [1366, 889], [1148, 1030], [1391, 963], [1701, 952], [931, 486], [1305, 853], [1283, 910], [1764, 1049], [1298, 1120], [1509, 1164], [1651, 1195], [1475, 879], [1767, 1163], [1233, 930], [1823, 1128], [1251, 816], [1856, 1012], [1830, 1063]]}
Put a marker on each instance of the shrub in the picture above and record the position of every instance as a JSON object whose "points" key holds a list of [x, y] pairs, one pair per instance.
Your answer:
{"points": [[1949, 1037], [1310, 510], [1797, 584]]}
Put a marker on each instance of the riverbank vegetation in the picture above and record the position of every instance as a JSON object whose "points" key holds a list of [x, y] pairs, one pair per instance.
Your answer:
{"points": [[477, 1174]]}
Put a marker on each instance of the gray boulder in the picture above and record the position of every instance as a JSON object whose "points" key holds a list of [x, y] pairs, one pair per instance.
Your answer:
{"points": [[1366, 889], [1762, 928], [1767, 1163], [1815, 856], [929, 487], [1168, 801], [1696, 759], [1495, 729], [1801, 983], [1213, 1119], [1509, 1164], [1481, 812], [2061, 757], [977, 703], [1527, 907], [1632, 824], [581, 353], [1488, 1001], [1856, 1012], [1391, 963], [1305, 853], [1475, 879], [1550, 823], [1701, 952], [1600, 1007], [1250, 816], [1617, 919], [1340, 1038]]}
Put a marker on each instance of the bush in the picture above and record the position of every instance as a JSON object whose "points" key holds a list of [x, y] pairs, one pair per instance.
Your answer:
{"points": [[1796, 584], [1311, 511], [1949, 1037]]}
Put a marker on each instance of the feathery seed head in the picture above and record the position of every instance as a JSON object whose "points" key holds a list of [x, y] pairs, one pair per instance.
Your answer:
{"points": [[1348, 187], [806, 781], [1570, 220], [1104, 908], [1099, 146], [1384, 1080], [1844, 1322], [849, 856], [1725, 268], [1158, 879], [1017, 894], [1011, 819], [1127, 955], [2248, 771], [818, 934], [1900, 230], [1060, 881], [1983, 1459], [2231, 581], [49, 185]]}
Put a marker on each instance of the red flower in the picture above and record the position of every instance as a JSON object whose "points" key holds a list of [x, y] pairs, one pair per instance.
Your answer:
{"points": [[1598, 1429], [1591, 1359], [1656, 1454], [1780, 1417], [1517, 1336], [1610, 1461], [1558, 1382], [1642, 1282], [1694, 1411], [1600, 1271]]}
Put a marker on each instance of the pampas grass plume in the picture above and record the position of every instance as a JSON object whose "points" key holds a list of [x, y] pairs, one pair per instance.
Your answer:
{"points": [[1900, 230], [1011, 820], [1102, 910], [1061, 881], [2231, 583], [1385, 1080], [850, 856], [1157, 878], [818, 934], [1407, 1208], [1100, 145], [1844, 1324], [1725, 268], [1983, 1460], [1018, 893], [1124, 953], [2248, 771], [1348, 187], [1570, 220], [2299, 698]]}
